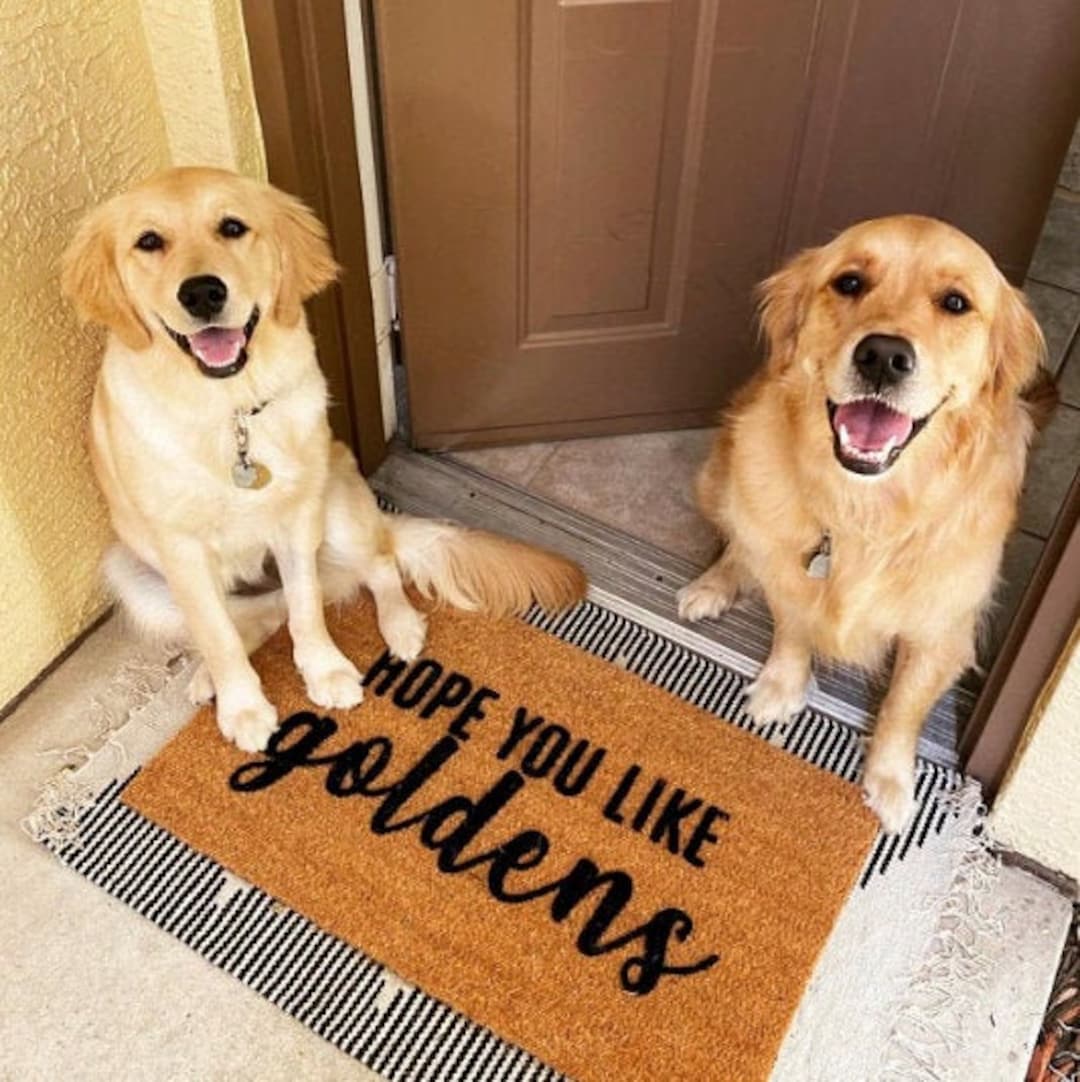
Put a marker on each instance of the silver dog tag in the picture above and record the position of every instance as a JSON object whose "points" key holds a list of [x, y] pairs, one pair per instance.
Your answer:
{"points": [[819, 564], [248, 474]]}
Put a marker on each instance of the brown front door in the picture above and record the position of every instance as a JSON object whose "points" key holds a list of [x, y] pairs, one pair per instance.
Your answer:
{"points": [[583, 193]]}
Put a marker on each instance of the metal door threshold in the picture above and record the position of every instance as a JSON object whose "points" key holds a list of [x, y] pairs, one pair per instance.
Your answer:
{"points": [[639, 581]]}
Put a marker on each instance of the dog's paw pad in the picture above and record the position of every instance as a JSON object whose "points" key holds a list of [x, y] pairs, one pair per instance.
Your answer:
{"points": [[336, 689], [200, 689], [702, 600], [249, 727], [890, 795], [404, 633], [772, 698]]}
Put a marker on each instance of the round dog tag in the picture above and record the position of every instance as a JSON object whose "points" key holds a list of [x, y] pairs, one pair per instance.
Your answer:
{"points": [[248, 474]]}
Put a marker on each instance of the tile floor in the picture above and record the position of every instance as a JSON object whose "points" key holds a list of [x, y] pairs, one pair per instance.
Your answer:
{"points": [[643, 484]]}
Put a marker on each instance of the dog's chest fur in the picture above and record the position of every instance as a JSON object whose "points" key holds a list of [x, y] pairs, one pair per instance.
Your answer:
{"points": [[890, 551], [173, 456]]}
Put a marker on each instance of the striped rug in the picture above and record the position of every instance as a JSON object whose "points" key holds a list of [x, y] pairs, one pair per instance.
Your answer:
{"points": [[403, 1034]]}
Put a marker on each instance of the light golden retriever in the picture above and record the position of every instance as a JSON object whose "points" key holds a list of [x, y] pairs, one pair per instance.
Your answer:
{"points": [[210, 441], [866, 478]]}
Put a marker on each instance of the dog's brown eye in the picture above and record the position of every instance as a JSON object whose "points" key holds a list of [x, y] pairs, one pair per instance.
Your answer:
{"points": [[232, 227], [956, 303], [849, 285], [150, 241]]}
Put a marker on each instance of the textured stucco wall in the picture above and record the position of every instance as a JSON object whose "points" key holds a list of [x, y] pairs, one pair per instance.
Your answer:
{"points": [[1037, 812], [80, 118], [200, 59]]}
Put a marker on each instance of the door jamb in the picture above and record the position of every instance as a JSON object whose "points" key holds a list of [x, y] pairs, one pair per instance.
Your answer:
{"points": [[300, 71], [1038, 634]]}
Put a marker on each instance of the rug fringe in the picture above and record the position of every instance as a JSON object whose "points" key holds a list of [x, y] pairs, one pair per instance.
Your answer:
{"points": [[930, 1022], [54, 819]]}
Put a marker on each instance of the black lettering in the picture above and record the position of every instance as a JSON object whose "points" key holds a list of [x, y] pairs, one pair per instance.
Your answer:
{"points": [[291, 745], [524, 850], [667, 822], [520, 728], [453, 692], [611, 808], [641, 974], [703, 834], [425, 768], [449, 826], [475, 817], [647, 805], [418, 683], [563, 781], [351, 773], [473, 711], [389, 668], [540, 758]]}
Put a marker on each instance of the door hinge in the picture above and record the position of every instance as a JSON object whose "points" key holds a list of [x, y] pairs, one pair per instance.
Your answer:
{"points": [[390, 270]]}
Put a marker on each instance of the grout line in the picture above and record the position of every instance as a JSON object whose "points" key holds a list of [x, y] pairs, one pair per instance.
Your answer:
{"points": [[1034, 280]]}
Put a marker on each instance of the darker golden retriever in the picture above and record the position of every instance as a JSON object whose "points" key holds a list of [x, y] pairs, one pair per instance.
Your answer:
{"points": [[866, 479]]}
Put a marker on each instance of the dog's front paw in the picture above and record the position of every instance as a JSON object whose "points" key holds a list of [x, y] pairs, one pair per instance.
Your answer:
{"points": [[200, 689], [775, 696], [404, 631], [331, 679], [705, 598], [889, 791], [248, 725]]}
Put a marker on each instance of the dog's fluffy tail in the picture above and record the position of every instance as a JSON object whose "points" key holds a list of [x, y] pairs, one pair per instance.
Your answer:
{"points": [[479, 571]]}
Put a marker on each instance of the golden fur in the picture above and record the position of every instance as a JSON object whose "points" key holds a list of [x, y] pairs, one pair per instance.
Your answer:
{"points": [[163, 447], [915, 549]]}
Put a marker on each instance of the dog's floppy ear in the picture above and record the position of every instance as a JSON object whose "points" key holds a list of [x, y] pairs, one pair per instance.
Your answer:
{"points": [[88, 276], [1017, 345], [307, 264], [782, 300]]}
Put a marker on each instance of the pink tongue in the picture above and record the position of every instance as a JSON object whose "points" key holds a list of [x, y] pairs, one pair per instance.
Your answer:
{"points": [[871, 424], [217, 346]]}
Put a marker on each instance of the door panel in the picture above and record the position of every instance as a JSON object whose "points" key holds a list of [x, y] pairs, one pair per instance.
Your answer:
{"points": [[597, 239], [583, 193]]}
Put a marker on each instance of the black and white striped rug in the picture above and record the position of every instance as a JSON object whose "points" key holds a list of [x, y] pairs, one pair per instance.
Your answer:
{"points": [[396, 1029]]}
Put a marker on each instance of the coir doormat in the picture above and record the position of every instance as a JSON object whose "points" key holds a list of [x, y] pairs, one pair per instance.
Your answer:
{"points": [[591, 867]]}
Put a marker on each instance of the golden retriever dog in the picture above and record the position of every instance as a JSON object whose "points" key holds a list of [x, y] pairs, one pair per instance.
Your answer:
{"points": [[866, 478], [210, 440]]}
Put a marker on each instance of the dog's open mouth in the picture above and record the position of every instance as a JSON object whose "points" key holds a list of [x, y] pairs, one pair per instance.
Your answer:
{"points": [[869, 435], [218, 351]]}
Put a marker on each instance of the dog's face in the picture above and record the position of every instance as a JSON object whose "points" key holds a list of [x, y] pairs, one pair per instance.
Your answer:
{"points": [[197, 257], [897, 324]]}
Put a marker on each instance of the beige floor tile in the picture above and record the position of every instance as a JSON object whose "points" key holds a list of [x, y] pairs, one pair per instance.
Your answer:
{"points": [[516, 464], [1051, 468], [1022, 552], [642, 484], [1058, 312], [1069, 376], [1057, 256]]}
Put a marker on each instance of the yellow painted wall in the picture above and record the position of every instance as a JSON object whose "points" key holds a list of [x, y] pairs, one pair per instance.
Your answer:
{"points": [[91, 99], [1037, 812]]}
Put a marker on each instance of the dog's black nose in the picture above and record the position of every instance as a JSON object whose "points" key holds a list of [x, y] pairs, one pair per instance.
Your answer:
{"points": [[203, 296], [883, 358]]}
